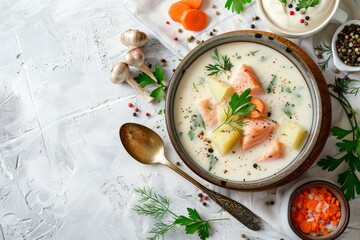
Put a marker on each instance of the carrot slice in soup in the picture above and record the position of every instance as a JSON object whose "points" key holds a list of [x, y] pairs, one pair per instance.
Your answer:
{"points": [[195, 4], [177, 9], [259, 108], [194, 20]]}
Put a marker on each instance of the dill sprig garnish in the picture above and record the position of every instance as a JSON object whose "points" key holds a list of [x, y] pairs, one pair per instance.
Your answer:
{"points": [[157, 206], [221, 64], [323, 48]]}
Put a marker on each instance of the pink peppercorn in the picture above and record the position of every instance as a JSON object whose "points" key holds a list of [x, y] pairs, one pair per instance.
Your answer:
{"points": [[206, 198], [136, 109], [147, 114], [175, 38], [130, 105], [292, 12], [302, 20], [167, 22]]}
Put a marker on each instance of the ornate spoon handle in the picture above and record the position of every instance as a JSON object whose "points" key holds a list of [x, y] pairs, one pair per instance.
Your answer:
{"points": [[237, 210]]}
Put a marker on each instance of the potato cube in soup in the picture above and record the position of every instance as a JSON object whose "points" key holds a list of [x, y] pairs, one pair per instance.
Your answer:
{"points": [[224, 138], [221, 90], [220, 112], [291, 134]]}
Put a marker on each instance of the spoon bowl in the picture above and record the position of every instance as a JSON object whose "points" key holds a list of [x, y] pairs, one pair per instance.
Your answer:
{"points": [[146, 146], [143, 144]]}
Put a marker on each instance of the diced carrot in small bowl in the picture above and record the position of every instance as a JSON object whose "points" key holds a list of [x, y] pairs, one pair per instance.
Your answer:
{"points": [[318, 210]]}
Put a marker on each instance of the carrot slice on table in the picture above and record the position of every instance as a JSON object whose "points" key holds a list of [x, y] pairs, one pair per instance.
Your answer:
{"points": [[194, 20], [195, 4], [259, 108], [177, 9]]}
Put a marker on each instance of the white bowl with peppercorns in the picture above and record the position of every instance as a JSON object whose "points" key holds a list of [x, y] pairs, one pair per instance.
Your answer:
{"points": [[345, 46], [299, 19]]}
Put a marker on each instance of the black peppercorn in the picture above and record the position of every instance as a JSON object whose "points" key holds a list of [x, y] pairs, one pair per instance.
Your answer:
{"points": [[252, 26], [204, 204], [297, 9], [257, 18], [255, 165], [134, 114], [307, 18], [290, 5]]}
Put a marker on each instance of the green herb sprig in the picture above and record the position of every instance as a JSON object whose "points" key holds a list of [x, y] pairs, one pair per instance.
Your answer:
{"points": [[324, 48], [283, 2], [157, 206], [349, 149], [143, 80], [221, 64], [236, 6], [307, 3], [239, 107], [271, 87]]}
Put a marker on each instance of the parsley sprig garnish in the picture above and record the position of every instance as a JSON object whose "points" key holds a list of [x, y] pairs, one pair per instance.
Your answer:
{"points": [[236, 6], [307, 3], [143, 80], [221, 64], [349, 149], [239, 107], [324, 48], [157, 206]]}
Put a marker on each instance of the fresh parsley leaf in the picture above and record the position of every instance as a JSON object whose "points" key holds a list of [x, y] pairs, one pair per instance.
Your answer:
{"points": [[350, 147], [340, 133], [330, 163], [159, 74], [236, 6], [350, 183], [158, 94], [221, 64], [239, 106], [307, 3], [143, 80]]}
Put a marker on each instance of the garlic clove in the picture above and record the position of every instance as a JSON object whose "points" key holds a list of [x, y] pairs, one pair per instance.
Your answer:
{"points": [[119, 73], [133, 38], [135, 57]]}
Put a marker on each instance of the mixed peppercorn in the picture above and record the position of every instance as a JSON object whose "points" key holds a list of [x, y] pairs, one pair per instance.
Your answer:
{"points": [[348, 45]]}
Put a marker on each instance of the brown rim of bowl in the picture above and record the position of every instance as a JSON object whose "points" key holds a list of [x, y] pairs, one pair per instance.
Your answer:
{"points": [[344, 206], [320, 100]]}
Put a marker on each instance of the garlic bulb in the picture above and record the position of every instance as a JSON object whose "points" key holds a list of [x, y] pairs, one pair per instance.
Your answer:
{"points": [[121, 72], [133, 38]]}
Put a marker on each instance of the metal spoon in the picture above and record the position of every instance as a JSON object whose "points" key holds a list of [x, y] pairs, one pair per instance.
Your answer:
{"points": [[146, 146]]}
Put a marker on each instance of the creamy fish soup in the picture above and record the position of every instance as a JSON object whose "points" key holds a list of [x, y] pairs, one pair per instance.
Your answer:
{"points": [[242, 111]]}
